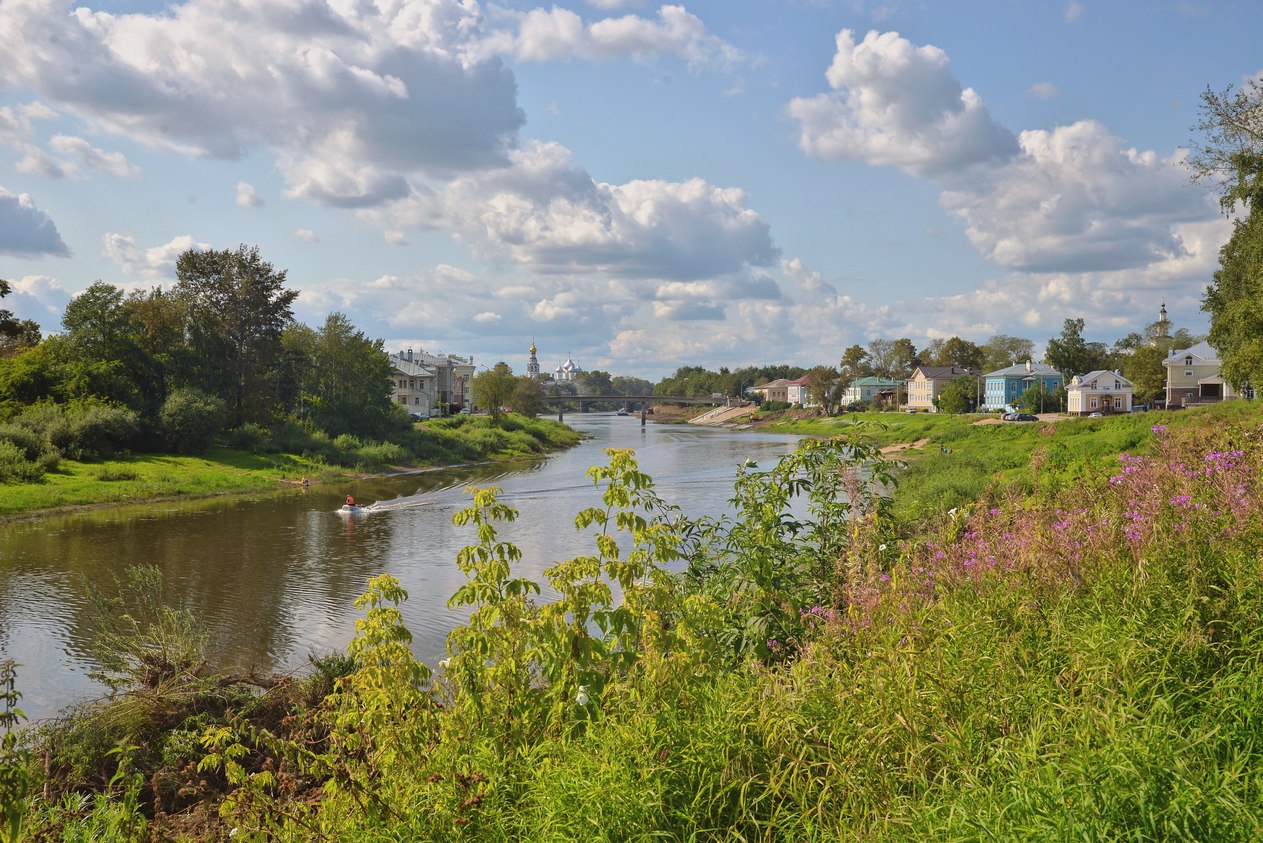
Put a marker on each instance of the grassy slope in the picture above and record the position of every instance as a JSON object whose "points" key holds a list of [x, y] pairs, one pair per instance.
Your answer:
{"points": [[223, 471]]}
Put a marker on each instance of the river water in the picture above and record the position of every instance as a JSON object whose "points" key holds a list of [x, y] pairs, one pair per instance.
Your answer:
{"points": [[275, 577]]}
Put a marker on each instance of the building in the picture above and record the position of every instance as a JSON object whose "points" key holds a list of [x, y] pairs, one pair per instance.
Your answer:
{"points": [[1195, 376], [1004, 386], [873, 390], [797, 392], [532, 365], [567, 372], [1099, 392], [777, 390], [451, 374], [414, 384], [928, 381]]}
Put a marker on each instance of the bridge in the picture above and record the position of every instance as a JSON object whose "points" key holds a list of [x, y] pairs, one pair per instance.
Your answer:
{"points": [[629, 400]]}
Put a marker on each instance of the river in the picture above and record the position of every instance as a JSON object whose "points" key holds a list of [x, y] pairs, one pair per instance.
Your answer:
{"points": [[275, 577]]}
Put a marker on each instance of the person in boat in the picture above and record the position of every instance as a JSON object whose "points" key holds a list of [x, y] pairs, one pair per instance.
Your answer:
{"points": [[350, 500]]}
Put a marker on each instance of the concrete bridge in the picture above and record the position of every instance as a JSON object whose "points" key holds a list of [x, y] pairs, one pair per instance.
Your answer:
{"points": [[628, 401]]}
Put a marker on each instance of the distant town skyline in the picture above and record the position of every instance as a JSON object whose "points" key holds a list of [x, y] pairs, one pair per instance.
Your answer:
{"points": [[632, 185]]}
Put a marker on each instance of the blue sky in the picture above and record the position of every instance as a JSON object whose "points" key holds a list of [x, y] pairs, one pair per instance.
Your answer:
{"points": [[637, 185]]}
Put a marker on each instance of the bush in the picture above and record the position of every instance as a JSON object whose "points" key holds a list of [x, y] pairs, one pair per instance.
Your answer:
{"points": [[249, 437], [15, 468], [31, 443], [81, 430], [189, 418]]}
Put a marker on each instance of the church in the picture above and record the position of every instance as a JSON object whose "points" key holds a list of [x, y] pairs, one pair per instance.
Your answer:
{"points": [[564, 373]]}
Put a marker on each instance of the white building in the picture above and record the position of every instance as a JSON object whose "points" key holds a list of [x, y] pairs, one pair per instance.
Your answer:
{"points": [[567, 371], [1195, 376], [436, 383], [1099, 392]]}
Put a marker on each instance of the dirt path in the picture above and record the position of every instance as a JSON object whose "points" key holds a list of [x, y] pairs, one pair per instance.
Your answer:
{"points": [[903, 446]]}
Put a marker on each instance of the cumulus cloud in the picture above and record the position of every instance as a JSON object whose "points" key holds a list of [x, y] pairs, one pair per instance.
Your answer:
{"points": [[353, 98], [86, 155], [1077, 199], [38, 297], [247, 196], [306, 235], [559, 34], [25, 230], [549, 215], [152, 264], [897, 104], [1074, 11]]}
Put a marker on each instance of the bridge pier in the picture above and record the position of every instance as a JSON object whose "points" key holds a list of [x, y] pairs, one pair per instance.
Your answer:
{"points": [[642, 413], [559, 411]]}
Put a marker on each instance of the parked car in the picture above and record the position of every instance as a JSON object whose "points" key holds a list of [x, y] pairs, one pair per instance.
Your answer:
{"points": [[1009, 417], [1025, 417], [1094, 415]]}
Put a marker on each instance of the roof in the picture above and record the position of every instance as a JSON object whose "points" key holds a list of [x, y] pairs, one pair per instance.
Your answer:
{"points": [[1105, 373], [1019, 370], [874, 380], [799, 381], [779, 382], [1202, 351], [940, 372], [409, 367]]}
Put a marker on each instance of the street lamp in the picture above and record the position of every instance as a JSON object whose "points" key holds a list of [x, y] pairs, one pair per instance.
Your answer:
{"points": [[1028, 380]]}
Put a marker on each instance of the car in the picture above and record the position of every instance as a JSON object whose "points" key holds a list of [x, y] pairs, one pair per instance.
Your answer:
{"points": [[464, 411], [419, 416], [1094, 415], [1025, 417]]}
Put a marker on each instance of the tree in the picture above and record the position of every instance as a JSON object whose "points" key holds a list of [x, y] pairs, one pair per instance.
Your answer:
{"points": [[1002, 351], [1231, 153], [1143, 367], [594, 382], [824, 388], [893, 358], [528, 396], [954, 352], [337, 377], [237, 306], [1071, 355], [959, 396], [855, 363], [493, 388], [636, 386], [15, 334]]}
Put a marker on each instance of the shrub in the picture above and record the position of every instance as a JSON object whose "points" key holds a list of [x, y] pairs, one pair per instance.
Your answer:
{"points": [[249, 437], [31, 443], [189, 418], [15, 468]]}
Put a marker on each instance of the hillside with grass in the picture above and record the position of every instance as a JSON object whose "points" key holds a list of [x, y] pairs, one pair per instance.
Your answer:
{"points": [[1070, 650]]}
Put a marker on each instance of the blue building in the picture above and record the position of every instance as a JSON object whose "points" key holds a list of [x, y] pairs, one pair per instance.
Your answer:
{"points": [[1003, 386]]}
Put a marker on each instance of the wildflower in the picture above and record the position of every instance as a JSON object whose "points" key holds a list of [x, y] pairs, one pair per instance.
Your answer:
{"points": [[233, 833], [1159, 429], [582, 697], [445, 663], [881, 547]]}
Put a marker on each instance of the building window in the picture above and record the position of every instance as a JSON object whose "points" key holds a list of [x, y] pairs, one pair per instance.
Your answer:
{"points": [[1118, 403], [1117, 385], [1188, 373], [1093, 404], [1188, 361]]}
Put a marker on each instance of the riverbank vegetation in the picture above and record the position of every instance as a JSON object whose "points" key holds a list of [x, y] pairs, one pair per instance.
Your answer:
{"points": [[1078, 658]]}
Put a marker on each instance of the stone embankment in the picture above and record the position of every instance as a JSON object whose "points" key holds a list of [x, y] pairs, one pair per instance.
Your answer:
{"points": [[722, 416]]}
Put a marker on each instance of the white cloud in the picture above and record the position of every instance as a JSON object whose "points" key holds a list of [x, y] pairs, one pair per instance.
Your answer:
{"points": [[25, 230], [306, 235], [1077, 199], [487, 316], [38, 297], [1044, 91], [153, 264], [897, 104], [551, 216], [247, 196], [396, 238], [353, 98], [1074, 11], [86, 155], [558, 34]]}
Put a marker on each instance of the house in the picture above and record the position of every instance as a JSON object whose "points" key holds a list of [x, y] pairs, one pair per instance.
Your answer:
{"points": [[777, 390], [451, 374], [413, 384], [1099, 392], [873, 390], [928, 381], [1195, 376], [798, 393], [1004, 386]]}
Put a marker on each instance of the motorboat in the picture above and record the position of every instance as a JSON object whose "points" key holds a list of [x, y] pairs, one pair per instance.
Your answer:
{"points": [[353, 509]]}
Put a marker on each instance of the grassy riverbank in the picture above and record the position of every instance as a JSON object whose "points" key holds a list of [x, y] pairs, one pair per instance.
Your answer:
{"points": [[1075, 653], [264, 465]]}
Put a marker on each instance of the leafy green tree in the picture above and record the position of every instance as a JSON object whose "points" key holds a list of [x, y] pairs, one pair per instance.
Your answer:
{"points": [[624, 385], [1231, 153], [855, 364], [15, 334], [595, 382], [1035, 399], [1072, 355], [824, 388], [959, 396], [493, 388], [237, 306], [189, 419], [528, 397], [1002, 351], [893, 358], [1143, 367], [348, 382], [954, 352]]}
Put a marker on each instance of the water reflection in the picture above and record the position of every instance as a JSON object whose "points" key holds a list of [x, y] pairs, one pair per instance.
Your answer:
{"points": [[276, 576]]}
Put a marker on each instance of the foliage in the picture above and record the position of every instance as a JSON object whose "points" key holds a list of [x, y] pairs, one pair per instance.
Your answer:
{"points": [[1231, 123], [954, 351], [1002, 351], [15, 334], [1143, 367], [1070, 354], [893, 358], [528, 397], [237, 306], [493, 388], [189, 418], [15, 775], [959, 396]]}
